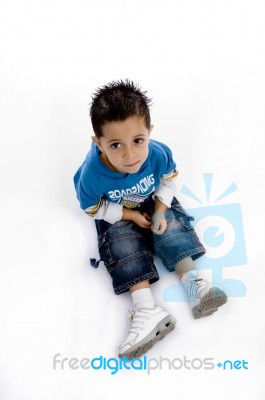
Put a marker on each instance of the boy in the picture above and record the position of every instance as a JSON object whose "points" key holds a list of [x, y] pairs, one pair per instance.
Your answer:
{"points": [[127, 184]]}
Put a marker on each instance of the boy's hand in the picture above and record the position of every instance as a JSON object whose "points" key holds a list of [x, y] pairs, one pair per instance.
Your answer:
{"points": [[159, 223], [142, 220]]}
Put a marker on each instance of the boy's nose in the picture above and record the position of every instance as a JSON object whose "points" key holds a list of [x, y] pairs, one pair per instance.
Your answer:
{"points": [[129, 154]]}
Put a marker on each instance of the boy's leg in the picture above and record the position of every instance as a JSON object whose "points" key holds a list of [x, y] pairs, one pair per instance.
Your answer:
{"points": [[127, 252], [141, 285], [185, 265], [204, 298], [178, 247]]}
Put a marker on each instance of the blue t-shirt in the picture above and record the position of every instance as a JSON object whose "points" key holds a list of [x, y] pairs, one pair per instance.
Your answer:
{"points": [[95, 182]]}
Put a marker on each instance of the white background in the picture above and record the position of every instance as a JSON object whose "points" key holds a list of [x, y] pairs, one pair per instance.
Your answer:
{"points": [[203, 64]]}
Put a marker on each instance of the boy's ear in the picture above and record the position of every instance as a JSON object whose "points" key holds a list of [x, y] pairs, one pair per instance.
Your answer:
{"points": [[97, 141]]}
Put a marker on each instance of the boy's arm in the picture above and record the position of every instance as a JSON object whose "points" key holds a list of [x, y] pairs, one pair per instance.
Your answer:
{"points": [[163, 197], [167, 188], [159, 223], [113, 212], [103, 209]]}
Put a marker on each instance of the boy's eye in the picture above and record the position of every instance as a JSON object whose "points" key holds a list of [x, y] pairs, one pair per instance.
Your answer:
{"points": [[115, 145], [138, 141]]}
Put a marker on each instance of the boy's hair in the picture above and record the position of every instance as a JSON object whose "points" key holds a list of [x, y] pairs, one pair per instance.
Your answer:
{"points": [[117, 101]]}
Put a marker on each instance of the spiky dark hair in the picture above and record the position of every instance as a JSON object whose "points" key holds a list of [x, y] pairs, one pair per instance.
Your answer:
{"points": [[117, 101]]}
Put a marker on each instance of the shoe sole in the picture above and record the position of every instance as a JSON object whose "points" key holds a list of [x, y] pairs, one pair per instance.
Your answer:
{"points": [[162, 329], [209, 303]]}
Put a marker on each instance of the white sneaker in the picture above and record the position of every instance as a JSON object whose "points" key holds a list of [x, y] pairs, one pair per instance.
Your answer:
{"points": [[147, 327], [204, 299]]}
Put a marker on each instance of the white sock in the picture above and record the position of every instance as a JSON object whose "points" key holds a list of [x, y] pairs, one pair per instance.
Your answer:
{"points": [[188, 276], [143, 298]]}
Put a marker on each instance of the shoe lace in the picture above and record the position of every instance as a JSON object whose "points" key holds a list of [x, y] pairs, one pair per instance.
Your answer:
{"points": [[196, 288], [137, 319]]}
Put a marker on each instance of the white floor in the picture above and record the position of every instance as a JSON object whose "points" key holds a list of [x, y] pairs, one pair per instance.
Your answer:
{"points": [[203, 64]]}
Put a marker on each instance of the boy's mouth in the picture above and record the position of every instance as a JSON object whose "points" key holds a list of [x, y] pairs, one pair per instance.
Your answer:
{"points": [[132, 165]]}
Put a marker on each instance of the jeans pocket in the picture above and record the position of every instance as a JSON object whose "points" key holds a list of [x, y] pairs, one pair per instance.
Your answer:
{"points": [[183, 216], [120, 250], [185, 221]]}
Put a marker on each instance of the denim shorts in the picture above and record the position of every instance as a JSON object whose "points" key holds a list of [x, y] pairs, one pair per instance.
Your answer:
{"points": [[128, 250]]}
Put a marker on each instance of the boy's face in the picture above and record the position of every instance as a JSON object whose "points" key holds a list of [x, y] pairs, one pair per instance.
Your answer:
{"points": [[124, 144]]}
